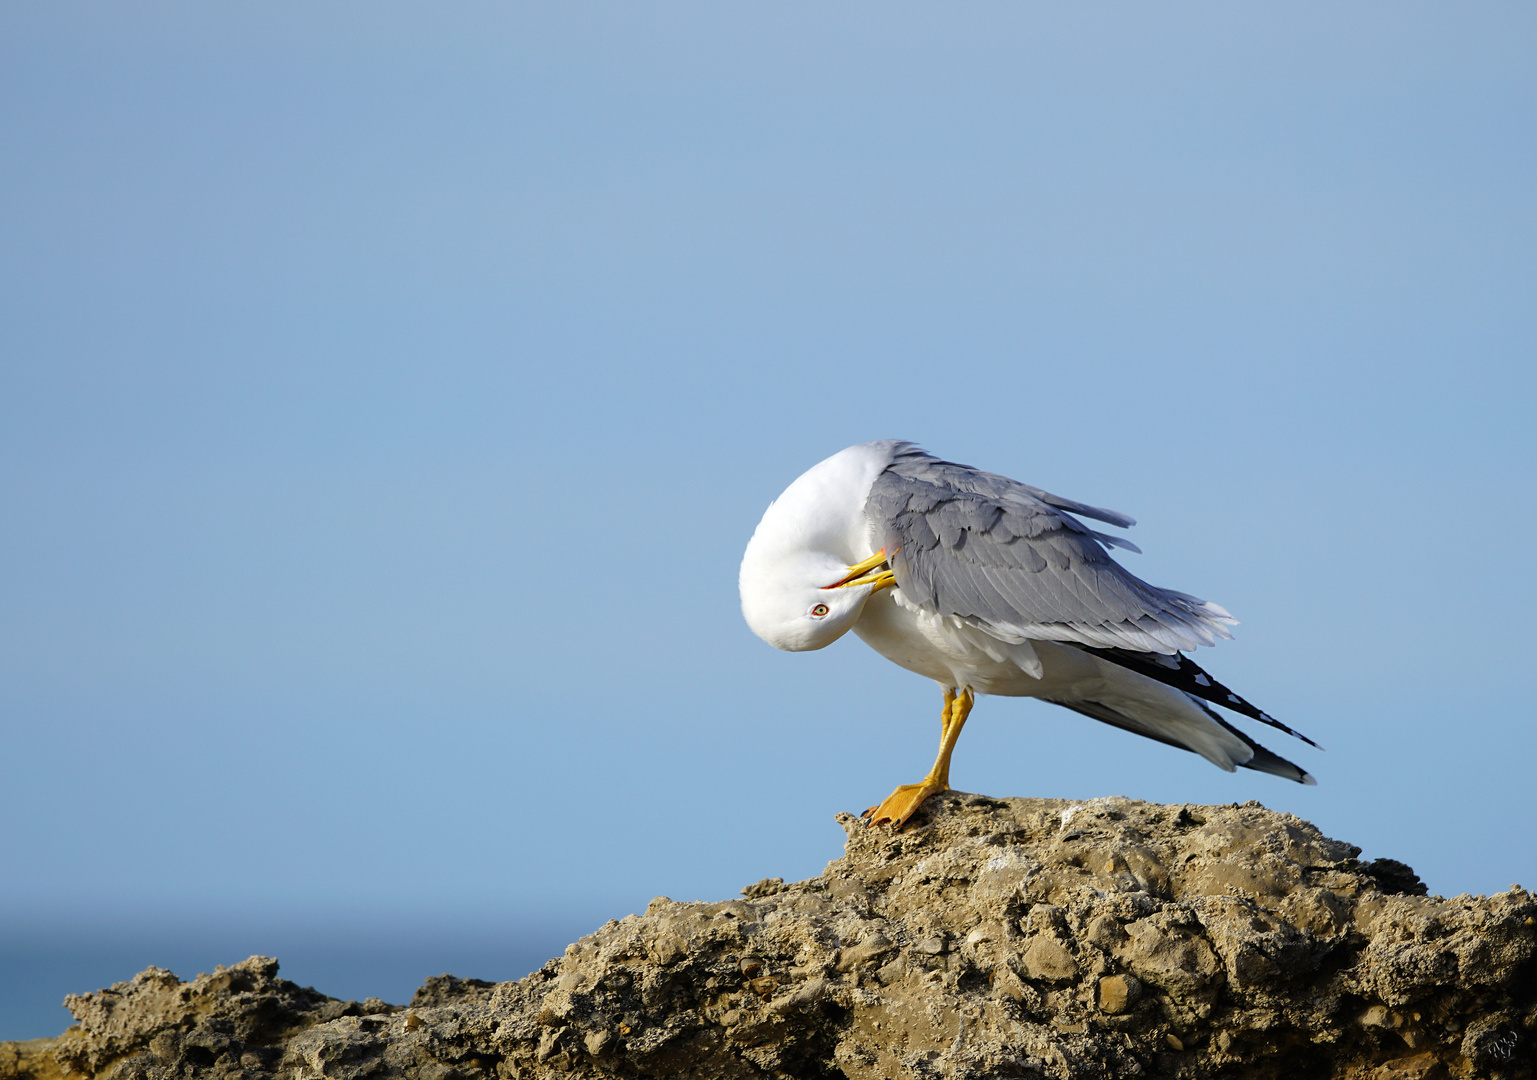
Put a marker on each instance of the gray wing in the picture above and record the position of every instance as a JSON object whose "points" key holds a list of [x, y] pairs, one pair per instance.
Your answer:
{"points": [[1010, 559]]}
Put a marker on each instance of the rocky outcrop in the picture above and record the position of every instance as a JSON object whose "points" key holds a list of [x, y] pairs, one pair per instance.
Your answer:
{"points": [[992, 938]]}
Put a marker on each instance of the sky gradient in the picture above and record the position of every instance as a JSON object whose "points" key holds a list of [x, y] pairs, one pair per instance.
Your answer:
{"points": [[387, 393]]}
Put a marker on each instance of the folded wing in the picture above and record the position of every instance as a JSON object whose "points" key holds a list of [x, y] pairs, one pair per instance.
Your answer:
{"points": [[1010, 559]]}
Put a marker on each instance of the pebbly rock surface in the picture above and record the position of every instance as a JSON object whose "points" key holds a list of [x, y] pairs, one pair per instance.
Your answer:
{"points": [[992, 938]]}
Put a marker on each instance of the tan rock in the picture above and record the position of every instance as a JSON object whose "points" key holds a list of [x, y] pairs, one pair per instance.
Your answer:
{"points": [[870, 948], [1047, 958], [1116, 993]]}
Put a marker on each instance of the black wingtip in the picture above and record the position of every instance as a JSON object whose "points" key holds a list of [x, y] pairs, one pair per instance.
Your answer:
{"points": [[1185, 674]]}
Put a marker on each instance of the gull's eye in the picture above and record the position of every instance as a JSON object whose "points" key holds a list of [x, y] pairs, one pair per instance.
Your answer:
{"points": [[818, 611]]}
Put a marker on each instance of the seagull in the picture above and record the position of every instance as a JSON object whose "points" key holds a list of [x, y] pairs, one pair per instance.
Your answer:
{"points": [[989, 586]]}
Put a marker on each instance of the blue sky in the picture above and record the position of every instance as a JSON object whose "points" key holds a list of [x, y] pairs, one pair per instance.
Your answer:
{"points": [[387, 392]]}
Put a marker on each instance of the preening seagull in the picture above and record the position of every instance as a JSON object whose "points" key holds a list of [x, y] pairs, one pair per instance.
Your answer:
{"points": [[988, 586]]}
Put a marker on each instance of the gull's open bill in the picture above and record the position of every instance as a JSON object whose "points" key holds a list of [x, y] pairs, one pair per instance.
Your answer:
{"points": [[874, 571]]}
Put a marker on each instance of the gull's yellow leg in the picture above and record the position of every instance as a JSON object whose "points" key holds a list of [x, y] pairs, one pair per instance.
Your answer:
{"points": [[902, 803]]}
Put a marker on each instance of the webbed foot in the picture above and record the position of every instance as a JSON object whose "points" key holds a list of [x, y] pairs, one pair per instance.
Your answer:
{"points": [[903, 803]]}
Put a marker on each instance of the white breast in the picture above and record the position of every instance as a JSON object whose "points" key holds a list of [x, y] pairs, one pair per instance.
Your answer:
{"points": [[949, 651]]}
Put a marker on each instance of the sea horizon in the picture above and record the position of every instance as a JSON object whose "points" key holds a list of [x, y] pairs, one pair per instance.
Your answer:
{"points": [[43, 959]]}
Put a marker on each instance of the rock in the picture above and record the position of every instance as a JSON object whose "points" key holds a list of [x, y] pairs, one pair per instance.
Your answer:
{"points": [[1117, 993], [870, 947], [1047, 958], [30, 1060], [995, 937]]}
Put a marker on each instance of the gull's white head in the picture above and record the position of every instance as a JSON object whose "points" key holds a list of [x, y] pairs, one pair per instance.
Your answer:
{"points": [[803, 549]]}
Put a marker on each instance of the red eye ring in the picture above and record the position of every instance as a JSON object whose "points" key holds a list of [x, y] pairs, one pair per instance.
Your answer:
{"points": [[818, 611]]}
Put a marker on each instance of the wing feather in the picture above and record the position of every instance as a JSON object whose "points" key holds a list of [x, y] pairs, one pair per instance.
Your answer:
{"points": [[1011, 560]]}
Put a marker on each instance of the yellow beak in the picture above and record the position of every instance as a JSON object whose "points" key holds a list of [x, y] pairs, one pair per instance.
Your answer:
{"points": [[874, 571]]}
